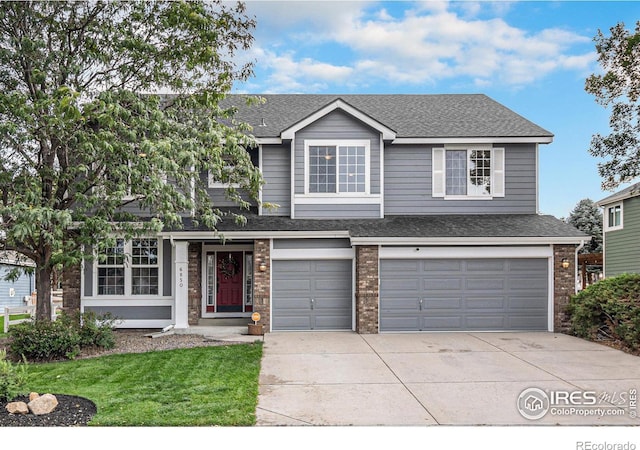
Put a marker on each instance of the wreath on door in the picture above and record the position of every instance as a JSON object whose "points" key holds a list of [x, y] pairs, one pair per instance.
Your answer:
{"points": [[228, 267]]}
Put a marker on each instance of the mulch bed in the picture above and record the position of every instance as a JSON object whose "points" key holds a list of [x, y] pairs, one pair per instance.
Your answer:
{"points": [[71, 411]]}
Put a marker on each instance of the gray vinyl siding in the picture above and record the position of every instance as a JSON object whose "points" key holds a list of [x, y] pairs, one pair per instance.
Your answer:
{"points": [[133, 312], [218, 196], [408, 189], [276, 171], [339, 211], [622, 247], [338, 126], [310, 243], [22, 287]]}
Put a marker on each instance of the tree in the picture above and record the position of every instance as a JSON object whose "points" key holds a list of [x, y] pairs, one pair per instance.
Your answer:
{"points": [[618, 87], [587, 217], [86, 127]]}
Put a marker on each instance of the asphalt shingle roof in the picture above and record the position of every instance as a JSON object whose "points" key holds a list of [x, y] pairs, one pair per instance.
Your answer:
{"points": [[410, 116], [437, 226], [628, 192]]}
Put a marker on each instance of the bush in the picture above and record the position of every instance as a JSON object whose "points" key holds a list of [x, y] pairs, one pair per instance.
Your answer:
{"points": [[609, 309], [62, 338], [97, 330], [13, 378]]}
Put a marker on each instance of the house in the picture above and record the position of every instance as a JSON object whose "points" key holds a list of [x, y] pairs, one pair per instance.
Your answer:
{"points": [[15, 293], [621, 231], [396, 213]]}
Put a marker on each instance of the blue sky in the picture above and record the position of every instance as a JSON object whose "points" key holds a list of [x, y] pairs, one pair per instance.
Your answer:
{"points": [[533, 57]]}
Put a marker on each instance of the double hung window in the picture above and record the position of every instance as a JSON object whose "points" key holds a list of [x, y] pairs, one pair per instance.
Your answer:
{"points": [[613, 219], [472, 173], [129, 268]]}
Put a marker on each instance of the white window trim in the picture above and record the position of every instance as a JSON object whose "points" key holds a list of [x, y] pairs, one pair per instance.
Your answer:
{"points": [[128, 266], [607, 227], [212, 184], [497, 172], [338, 143]]}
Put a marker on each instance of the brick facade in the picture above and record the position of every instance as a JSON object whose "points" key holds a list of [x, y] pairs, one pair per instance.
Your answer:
{"points": [[262, 281], [564, 285], [367, 291], [71, 284], [195, 282]]}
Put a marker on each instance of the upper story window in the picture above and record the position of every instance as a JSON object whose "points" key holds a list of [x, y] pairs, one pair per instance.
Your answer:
{"points": [[468, 173], [337, 167], [613, 217], [222, 179]]}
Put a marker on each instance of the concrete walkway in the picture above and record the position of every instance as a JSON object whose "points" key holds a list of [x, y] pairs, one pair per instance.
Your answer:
{"points": [[345, 378]]}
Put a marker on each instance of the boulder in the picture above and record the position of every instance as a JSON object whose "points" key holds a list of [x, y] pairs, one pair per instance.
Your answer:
{"points": [[33, 396], [17, 408], [44, 404]]}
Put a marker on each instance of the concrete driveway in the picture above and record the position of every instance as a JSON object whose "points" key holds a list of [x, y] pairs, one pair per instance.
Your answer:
{"points": [[444, 378]]}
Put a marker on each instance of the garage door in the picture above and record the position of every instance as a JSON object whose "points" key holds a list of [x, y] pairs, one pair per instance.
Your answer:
{"points": [[463, 294], [312, 295]]}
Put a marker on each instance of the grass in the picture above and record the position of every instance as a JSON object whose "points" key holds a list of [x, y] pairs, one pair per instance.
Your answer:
{"points": [[187, 387]]}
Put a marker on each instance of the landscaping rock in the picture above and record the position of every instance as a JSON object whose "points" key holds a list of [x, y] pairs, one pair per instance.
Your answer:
{"points": [[43, 404], [17, 408], [33, 396]]}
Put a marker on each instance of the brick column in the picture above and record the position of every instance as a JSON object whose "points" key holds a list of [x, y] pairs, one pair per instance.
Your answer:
{"points": [[71, 284], [195, 282], [564, 285], [367, 295], [262, 281]]}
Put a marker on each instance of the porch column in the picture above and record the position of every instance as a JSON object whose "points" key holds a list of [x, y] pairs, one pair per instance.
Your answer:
{"points": [[367, 292], [262, 281], [564, 285], [181, 267]]}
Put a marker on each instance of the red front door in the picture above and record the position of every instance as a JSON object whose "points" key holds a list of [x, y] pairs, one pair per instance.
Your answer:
{"points": [[229, 276]]}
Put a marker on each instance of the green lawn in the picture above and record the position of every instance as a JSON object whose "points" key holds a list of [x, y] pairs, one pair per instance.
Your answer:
{"points": [[187, 387]]}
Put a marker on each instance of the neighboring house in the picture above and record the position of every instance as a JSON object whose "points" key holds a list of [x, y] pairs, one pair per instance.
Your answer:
{"points": [[396, 213], [621, 231], [15, 293]]}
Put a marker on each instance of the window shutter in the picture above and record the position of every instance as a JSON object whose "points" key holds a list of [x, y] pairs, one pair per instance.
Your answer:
{"points": [[498, 173], [438, 172]]}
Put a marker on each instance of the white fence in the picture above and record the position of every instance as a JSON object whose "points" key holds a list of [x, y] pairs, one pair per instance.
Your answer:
{"points": [[56, 305], [8, 312]]}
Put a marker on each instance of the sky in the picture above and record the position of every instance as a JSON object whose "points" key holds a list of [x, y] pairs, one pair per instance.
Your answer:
{"points": [[531, 56]]}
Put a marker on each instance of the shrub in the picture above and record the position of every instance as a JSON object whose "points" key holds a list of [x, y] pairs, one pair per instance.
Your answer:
{"points": [[13, 378], [62, 338], [97, 330], [609, 309], [43, 340]]}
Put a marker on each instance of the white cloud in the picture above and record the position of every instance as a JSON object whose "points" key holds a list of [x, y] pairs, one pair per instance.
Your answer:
{"points": [[423, 45]]}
